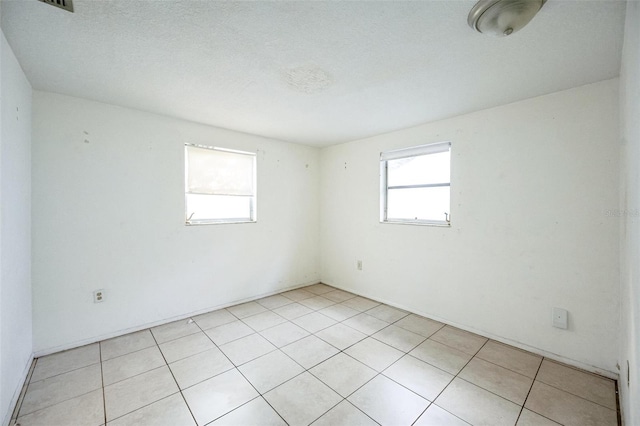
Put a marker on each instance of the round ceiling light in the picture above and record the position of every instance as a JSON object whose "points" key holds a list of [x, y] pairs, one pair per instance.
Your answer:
{"points": [[502, 17]]}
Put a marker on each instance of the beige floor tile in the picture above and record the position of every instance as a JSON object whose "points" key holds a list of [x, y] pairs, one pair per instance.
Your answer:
{"points": [[340, 336], [273, 302], [568, 409], [360, 303], [339, 296], [505, 383], [339, 312], [344, 413], [388, 403], [128, 395], [244, 310], [197, 368], [586, 385], [229, 332], [246, 349], [314, 322], [317, 302], [186, 346], [380, 381], [219, 395], [343, 374], [263, 320], [254, 413], [436, 416], [512, 358], [387, 313], [130, 365], [292, 311], [374, 353], [366, 323], [459, 339], [297, 295], [87, 409], [270, 370], [399, 338], [56, 389], [419, 325], [169, 411], [284, 334], [309, 351], [476, 405], [63, 362], [174, 330], [319, 289], [529, 418], [418, 376], [214, 319], [441, 356], [302, 399], [126, 344]]}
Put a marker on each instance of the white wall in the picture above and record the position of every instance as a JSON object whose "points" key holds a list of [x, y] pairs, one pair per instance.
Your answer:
{"points": [[630, 217], [15, 229], [108, 213], [531, 182]]}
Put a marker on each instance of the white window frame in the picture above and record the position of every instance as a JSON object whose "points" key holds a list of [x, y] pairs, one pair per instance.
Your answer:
{"points": [[253, 217], [432, 148]]}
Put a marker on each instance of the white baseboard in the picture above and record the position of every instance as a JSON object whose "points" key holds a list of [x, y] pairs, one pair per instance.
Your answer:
{"points": [[18, 394]]}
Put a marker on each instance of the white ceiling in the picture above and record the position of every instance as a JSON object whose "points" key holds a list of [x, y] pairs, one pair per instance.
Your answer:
{"points": [[317, 73]]}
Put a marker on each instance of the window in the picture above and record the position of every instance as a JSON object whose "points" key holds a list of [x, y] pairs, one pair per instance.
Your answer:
{"points": [[220, 185], [415, 184]]}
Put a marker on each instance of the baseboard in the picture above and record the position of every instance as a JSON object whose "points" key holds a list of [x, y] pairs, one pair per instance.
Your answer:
{"points": [[84, 342], [12, 413], [520, 345]]}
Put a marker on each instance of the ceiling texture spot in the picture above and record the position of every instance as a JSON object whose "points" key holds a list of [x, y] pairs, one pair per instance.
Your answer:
{"points": [[310, 72], [307, 79]]}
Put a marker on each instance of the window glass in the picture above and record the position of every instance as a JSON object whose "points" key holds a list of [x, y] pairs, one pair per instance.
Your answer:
{"points": [[415, 184], [220, 185]]}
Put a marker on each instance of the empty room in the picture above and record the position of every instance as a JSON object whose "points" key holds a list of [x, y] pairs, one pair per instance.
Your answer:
{"points": [[319, 212]]}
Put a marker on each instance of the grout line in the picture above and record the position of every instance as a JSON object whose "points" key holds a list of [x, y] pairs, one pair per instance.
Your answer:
{"points": [[506, 368], [457, 374], [529, 393], [260, 395], [23, 392], [128, 353], [618, 411], [173, 376], [65, 372], [144, 406], [104, 397], [577, 396]]}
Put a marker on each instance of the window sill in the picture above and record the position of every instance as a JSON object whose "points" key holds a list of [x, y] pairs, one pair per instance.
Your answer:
{"points": [[219, 222], [418, 222]]}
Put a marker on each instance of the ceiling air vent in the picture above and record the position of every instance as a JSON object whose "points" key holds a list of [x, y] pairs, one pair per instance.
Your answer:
{"points": [[62, 4]]}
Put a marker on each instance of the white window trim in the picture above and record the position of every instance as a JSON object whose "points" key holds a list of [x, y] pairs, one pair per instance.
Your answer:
{"points": [[432, 148], [254, 199]]}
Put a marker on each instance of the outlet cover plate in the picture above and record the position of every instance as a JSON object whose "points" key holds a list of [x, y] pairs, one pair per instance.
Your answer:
{"points": [[560, 318]]}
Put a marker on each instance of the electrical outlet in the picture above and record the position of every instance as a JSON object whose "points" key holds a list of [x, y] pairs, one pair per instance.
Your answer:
{"points": [[559, 318], [98, 296], [359, 265]]}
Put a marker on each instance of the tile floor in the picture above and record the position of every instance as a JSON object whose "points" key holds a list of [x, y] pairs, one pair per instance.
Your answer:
{"points": [[313, 355]]}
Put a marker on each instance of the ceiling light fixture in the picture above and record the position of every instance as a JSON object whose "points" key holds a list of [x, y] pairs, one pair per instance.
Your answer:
{"points": [[503, 17]]}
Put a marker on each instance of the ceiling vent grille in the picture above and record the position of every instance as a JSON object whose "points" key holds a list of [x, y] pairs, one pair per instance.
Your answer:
{"points": [[62, 4]]}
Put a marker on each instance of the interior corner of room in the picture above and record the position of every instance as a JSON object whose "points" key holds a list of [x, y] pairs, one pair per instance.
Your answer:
{"points": [[545, 207]]}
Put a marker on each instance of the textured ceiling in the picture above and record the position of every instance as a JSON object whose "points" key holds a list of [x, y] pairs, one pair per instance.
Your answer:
{"points": [[317, 73]]}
